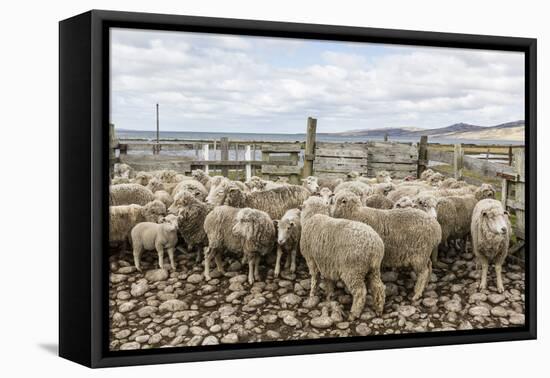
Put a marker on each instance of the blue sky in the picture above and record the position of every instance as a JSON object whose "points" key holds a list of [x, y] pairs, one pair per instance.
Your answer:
{"points": [[222, 83]]}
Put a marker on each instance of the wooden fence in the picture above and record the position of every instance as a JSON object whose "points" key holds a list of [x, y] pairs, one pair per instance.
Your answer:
{"points": [[513, 192]]}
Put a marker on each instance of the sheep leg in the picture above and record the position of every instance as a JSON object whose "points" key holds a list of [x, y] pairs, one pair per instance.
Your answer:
{"points": [[313, 271], [329, 284], [250, 271], [498, 271], [378, 291], [171, 256], [138, 250], [160, 252], [435, 262], [278, 261], [207, 257], [484, 267], [293, 261], [422, 278], [357, 288], [219, 263], [198, 256], [257, 267]]}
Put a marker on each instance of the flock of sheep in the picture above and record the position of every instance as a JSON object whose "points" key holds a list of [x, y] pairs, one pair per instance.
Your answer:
{"points": [[345, 229]]}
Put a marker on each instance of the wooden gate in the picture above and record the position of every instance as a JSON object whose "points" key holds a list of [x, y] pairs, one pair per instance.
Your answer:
{"points": [[282, 160], [399, 159], [337, 159]]}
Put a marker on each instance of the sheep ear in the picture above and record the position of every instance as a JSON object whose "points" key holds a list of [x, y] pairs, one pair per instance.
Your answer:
{"points": [[506, 213], [276, 223]]}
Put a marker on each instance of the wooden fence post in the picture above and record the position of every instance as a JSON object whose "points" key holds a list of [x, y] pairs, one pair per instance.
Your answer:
{"points": [[224, 147], [422, 155], [206, 156], [247, 157], [386, 137], [113, 145], [309, 153], [510, 155], [458, 161], [519, 166]]}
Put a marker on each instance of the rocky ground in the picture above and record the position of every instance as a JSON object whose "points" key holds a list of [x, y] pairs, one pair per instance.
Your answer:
{"points": [[161, 308]]}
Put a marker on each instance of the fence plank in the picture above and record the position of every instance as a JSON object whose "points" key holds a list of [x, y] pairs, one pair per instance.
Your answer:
{"points": [[206, 156], [309, 152], [224, 147], [248, 157]]}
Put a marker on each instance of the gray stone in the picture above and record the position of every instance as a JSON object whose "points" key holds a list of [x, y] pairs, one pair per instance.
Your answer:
{"points": [[130, 346], [210, 340], [195, 278], [311, 302], [290, 299], [146, 311], [517, 319], [453, 305], [499, 311], [363, 330], [139, 288], [123, 334], [230, 338], [126, 307], [406, 311], [156, 275], [479, 311], [321, 322], [173, 305], [291, 321], [117, 278], [242, 278], [198, 331], [496, 298]]}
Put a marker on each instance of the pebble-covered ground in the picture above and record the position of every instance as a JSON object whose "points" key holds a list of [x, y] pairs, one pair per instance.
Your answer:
{"points": [[162, 308]]}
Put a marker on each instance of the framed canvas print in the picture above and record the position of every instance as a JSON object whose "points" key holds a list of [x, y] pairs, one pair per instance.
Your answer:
{"points": [[234, 188]]}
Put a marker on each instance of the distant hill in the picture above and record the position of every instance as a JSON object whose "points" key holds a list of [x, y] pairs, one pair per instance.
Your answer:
{"points": [[506, 131]]}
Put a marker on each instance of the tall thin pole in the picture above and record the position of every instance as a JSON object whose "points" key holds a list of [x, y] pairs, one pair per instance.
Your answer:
{"points": [[157, 123]]}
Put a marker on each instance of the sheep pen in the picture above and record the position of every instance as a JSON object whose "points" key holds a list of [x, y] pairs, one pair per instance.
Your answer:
{"points": [[184, 307]]}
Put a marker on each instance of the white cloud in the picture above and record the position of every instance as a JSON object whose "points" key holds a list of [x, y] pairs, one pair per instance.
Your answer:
{"points": [[228, 83]]}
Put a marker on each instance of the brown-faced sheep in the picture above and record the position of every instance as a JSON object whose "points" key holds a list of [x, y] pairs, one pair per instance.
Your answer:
{"points": [[340, 249], [379, 201], [225, 229], [128, 194], [150, 236], [289, 229], [491, 231], [123, 218], [275, 201], [409, 235], [192, 214]]}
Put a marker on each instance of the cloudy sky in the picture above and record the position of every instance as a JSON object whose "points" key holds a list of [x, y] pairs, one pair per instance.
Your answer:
{"points": [[221, 83]]}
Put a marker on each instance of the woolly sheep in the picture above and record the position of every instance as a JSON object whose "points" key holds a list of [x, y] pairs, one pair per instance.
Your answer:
{"points": [[485, 191], [329, 182], [326, 194], [383, 177], [123, 218], [128, 194], [192, 186], [360, 189], [406, 190], [289, 229], [219, 226], [424, 176], [409, 235], [203, 178], [164, 197], [120, 180], [150, 236], [403, 203], [491, 231], [435, 179], [275, 202], [192, 214], [123, 170], [143, 178], [257, 231], [340, 249], [311, 184], [379, 201], [155, 184], [383, 188]]}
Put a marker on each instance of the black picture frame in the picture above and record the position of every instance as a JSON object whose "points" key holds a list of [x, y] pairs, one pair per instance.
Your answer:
{"points": [[83, 178]]}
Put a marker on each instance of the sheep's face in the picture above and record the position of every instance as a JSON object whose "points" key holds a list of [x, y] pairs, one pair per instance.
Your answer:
{"points": [[427, 204], [426, 174], [217, 195], [311, 184], [385, 188], [344, 202], [169, 227], [383, 176], [155, 211], [436, 178], [172, 219], [326, 195], [404, 203], [168, 176], [352, 175], [142, 179], [496, 220], [485, 191], [198, 174], [155, 184], [285, 228], [244, 225], [448, 183]]}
